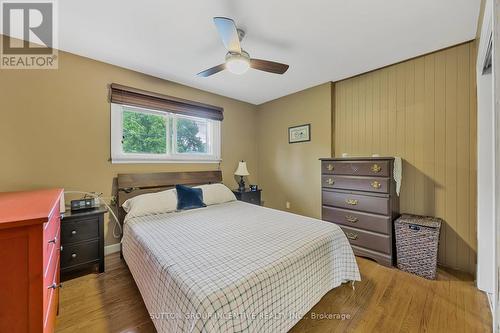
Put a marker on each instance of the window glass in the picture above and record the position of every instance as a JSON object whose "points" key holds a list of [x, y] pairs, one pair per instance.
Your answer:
{"points": [[144, 133], [192, 135], [141, 135]]}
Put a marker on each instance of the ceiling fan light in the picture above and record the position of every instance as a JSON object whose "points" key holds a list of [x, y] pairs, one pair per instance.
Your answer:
{"points": [[237, 64]]}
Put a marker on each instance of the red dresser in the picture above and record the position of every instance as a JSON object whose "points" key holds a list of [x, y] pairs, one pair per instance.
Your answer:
{"points": [[29, 260]]}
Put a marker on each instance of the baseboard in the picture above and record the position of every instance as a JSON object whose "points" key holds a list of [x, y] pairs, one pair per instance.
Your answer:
{"points": [[113, 248], [491, 302]]}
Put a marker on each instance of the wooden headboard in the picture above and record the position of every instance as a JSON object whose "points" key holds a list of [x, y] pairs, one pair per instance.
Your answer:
{"points": [[134, 184]]}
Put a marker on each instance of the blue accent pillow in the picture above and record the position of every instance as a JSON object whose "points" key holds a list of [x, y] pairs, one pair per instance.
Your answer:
{"points": [[189, 198]]}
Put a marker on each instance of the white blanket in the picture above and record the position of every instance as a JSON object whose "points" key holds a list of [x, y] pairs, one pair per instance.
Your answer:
{"points": [[234, 267]]}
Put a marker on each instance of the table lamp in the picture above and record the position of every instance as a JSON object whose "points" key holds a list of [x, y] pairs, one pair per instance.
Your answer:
{"points": [[241, 171]]}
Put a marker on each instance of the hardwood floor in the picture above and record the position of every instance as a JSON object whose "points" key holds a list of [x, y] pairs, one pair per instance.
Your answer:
{"points": [[387, 300]]}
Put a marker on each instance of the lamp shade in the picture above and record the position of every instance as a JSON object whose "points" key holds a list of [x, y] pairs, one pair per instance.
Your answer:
{"points": [[242, 169]]}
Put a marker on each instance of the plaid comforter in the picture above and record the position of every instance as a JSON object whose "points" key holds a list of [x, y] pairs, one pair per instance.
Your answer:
{"points": [[234, 267]]}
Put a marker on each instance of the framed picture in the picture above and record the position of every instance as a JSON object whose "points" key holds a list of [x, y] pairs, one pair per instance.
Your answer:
{"points": [[300, 133]]}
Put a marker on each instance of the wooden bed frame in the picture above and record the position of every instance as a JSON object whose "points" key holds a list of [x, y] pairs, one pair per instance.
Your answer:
{"points": [[134, 184]]}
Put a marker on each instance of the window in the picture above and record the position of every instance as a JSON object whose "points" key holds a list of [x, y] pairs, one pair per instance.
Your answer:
{"points": [[141, 135]]}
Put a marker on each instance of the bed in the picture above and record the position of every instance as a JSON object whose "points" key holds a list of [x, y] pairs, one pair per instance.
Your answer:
{"points": [[230, 267]]}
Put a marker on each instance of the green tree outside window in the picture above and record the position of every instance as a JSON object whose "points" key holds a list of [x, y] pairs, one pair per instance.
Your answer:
{"points": [[188, 140], [144, 133]]}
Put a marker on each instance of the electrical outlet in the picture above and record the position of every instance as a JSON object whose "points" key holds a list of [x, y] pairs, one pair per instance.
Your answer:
{"points": [[287, 204]]}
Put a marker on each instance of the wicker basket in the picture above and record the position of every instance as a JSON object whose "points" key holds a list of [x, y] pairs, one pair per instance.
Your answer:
{"points": [[417, 240]]}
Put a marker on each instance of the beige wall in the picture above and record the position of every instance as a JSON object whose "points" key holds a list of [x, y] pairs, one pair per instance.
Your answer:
{"points": [[291, 172], [423, 110], [55, 127]]}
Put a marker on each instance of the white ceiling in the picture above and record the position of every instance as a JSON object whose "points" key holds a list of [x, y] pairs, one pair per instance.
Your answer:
{"points": [[321, 40]]}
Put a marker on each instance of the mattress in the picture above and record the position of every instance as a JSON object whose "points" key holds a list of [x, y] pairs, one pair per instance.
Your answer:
{"points": [[234, 267]]}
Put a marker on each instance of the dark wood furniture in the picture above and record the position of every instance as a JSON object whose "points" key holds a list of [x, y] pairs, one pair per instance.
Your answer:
{"points": [[29, 257], [359, 194], [82, 242], [253, 197]]}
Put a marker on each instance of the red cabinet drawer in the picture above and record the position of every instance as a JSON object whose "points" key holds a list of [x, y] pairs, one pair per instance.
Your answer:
{"points": [[51, 299], [51, 242], [50, 249], [51, 276]]}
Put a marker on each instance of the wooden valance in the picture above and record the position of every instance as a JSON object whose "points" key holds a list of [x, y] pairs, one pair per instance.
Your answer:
{"points": [[150, 100]]}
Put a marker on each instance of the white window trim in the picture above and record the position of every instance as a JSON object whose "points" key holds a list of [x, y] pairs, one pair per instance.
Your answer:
{"points": [[119, 157]]}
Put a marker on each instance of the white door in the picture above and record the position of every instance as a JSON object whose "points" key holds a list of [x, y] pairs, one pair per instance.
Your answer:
{"points": [[496, 96]]}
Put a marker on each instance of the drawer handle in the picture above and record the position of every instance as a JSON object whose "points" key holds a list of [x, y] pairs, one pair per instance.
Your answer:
{"points": [[352, 202], [330, 181], [73, 232], [53, 241], [376, 168], [375, 184], [55, 286], [330, 167], [73, 255], [351, 219], [351, 235]]}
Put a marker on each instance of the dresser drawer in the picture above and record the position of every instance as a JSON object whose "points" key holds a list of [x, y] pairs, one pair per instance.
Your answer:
{"points": [[251, 198], [366, 203], [50, 316], [368, 239], [357, 168], [50, 228], [365, 221], [368, 184], [51, 300], [50, 279], [80, 253], [81, 230], [381, 258], [51, 251]]}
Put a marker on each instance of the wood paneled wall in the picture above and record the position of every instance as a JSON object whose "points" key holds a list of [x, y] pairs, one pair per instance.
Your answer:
{"points": [[423, 110]]}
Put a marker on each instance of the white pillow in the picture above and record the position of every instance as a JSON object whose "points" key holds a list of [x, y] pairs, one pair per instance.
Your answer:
{"points": [[214, 194], [151, 203]]}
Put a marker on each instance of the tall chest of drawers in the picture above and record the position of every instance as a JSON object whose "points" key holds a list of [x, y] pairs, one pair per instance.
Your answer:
{"points": [[359, 195], [29, 257]]}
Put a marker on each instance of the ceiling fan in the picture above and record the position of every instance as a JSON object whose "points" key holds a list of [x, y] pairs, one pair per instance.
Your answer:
{"points": [[238, 61]]}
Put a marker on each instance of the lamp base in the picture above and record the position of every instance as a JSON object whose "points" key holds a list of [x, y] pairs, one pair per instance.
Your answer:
{"points": [[241, 184]]}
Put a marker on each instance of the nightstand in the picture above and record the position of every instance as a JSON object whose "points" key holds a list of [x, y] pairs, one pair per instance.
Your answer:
{"points": [[82, 242], [252, 197]]}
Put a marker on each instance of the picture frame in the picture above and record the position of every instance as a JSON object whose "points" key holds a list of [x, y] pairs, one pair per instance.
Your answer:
{"points": [[300, 133]]}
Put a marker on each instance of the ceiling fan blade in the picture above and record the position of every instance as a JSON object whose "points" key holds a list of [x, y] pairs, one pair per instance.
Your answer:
{"points": [[268, 66], [211, 71], [228, 33]]}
